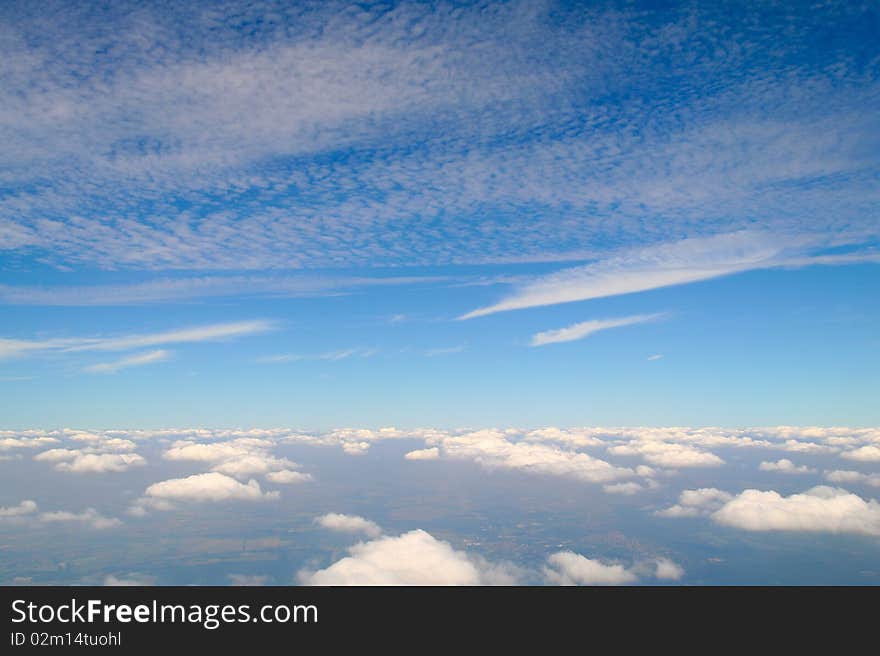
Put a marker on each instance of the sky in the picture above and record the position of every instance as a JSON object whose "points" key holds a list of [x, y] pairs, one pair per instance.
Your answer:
{"points": [[472, 292], [467, 214]]}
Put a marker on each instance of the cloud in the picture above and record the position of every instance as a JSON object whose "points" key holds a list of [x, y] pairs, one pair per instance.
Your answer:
{"points": [[349, 524], [868, 453], [623, 488], [132, 361], [820, 509], [165, 290], [848, 476], [10, 347], [413, 558], [697, 503], [587, 328], [655, 357], [26, 507], [785, 466], [287, 477], [331, 356], [423, 454], [492, 449], [159, 158], [569, 568], [211, 487], [90, 517], [99, 462], [668, 570], [9, 443], [240, 457], [677, 263], [665, 454]]}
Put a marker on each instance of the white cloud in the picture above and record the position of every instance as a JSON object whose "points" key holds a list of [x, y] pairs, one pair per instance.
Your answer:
{"points": [[57, 455], [821, 508], [587, 328], [100, 462], [287, 477], [685, 261], [493, 450], [240, 457], [668, 570], [349, 524], [10, 347], [696, 503], [666, 454], [848, 476], [423, 454], [132, 361], [868, 453], [785, 466], [209, 487], [9, 443], [627, 489], [90, 517], [413, 558], [26, 507], [569, 568]]}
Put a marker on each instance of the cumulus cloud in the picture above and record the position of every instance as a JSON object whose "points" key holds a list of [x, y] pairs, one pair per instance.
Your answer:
{"points": [[667, 454], [349, 524], [9, 443], [423, 454], [240, 457], [587, 328], [209, 487], [821, 508], [569, 568], [868, 453], [785, 466], [493, 449], [696, 503], [100, 462], [413, 558]]}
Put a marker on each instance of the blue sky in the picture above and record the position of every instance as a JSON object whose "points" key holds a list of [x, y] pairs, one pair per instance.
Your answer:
{"points": [[453, 215]]}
